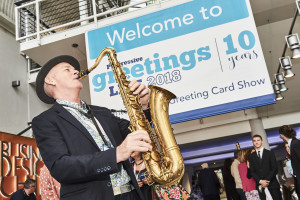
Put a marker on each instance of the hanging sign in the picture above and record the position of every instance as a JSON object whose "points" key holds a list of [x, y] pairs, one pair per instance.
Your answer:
{"points": [[20, 159], [206, 52]]}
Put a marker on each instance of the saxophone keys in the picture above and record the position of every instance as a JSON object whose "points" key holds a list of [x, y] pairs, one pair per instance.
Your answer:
{"points": [[167, 161], [131, 128], [155, 156], [146, 156]]}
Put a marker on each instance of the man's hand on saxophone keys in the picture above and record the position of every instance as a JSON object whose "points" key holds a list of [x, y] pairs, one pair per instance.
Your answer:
{"points": [[142, 90], [136, 141]]}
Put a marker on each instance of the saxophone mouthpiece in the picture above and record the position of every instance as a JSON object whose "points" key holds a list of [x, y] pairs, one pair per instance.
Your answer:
{"points": [[83, 74]]}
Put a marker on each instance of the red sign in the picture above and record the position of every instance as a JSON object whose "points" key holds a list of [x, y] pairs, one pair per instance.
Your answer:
{"points": [[20, 159]]}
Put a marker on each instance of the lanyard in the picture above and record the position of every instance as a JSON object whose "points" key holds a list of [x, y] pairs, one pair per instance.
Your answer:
{"points": [[90, 115], [134, 169], [98, 129]]}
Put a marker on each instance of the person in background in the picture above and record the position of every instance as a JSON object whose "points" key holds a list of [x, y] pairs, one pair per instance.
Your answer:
{"points": [[263, 168], [50, 187], [229, 183], [209, 183], [140, 172], [195, 192], [249, 185], [236, 175], [288, 134], [288, 159], [27, 193], [292, 192]]}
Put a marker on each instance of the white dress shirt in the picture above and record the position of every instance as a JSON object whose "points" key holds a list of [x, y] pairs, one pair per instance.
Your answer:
{"points": [[260, 152]]}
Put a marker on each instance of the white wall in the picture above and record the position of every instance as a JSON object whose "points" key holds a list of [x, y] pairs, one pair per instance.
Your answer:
{"points": [[13, 104], [17, 105]]}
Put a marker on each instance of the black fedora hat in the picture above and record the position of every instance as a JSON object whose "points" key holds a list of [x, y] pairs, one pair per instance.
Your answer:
{"points": [[40, 79]]}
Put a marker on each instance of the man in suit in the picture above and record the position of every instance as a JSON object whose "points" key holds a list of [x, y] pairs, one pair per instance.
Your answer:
{"points": [[288, 134], [27, 192], [236, 175], [86, 148], [209, 183], [263, 169]]}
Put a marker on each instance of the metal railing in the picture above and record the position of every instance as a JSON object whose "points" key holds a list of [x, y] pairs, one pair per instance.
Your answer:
{"points": [[35, 19]]}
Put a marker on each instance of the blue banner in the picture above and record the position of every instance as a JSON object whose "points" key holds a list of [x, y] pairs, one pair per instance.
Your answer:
{"points": [[165, 24], [206, 52]]}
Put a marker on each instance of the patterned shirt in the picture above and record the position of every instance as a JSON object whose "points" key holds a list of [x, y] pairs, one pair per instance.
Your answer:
{"points": [[50, 188], [117, 179]]}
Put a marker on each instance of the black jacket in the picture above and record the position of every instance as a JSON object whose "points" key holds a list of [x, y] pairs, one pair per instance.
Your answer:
{"points": [[21, 195], [266, 169], [72, 156], [208, 182], [295, 159]]}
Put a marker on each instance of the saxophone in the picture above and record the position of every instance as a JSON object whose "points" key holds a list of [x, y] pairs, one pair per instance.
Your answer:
{"points": [[164, 163]]}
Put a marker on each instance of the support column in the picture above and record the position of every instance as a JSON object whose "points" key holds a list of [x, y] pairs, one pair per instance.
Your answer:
{"points": [[257, 128], [187, 178]]}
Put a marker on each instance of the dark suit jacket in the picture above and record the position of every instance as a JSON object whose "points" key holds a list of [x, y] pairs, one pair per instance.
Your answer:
{"points": [[266, 169], [295, 159], [208, 182], [230, 187], [72, 156]]}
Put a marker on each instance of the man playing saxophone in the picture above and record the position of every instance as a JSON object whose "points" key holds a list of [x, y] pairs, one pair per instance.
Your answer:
{"points": [[86, 148]]}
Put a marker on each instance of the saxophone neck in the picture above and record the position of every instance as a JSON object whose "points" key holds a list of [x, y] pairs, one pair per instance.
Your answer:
{"points": [[111, 56]]}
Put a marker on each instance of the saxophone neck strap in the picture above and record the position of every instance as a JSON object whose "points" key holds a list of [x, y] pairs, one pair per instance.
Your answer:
{"points": [[90, 115]]}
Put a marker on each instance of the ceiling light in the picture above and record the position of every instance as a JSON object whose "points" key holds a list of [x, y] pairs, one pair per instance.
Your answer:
{"points": [[293, 43], [286, 65], [298, 5], [279, 79], [277, 92]]}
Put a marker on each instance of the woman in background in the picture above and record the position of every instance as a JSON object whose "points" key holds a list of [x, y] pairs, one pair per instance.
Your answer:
{"points": [[249, 184], [292, 193], [229, 183], [50, 188], [288, 159], [156, 191], [140, 172]]}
